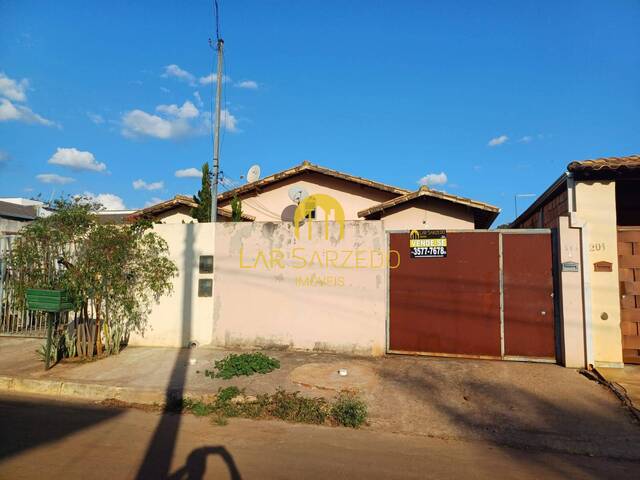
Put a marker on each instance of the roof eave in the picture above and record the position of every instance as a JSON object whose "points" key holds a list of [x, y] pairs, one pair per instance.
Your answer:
{"points": [[555, 186]]}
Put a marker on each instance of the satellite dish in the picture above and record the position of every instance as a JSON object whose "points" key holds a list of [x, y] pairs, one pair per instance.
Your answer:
{"points": [[253, 174], [297, 194]]}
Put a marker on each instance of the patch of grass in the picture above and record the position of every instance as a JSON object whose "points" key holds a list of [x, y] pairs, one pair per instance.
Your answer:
{"points": [[348, 410], [295, 408], [197, 407], [227, 393], [219, 420], [245, 364]]}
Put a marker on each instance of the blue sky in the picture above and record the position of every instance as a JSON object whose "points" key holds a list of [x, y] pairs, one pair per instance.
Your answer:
{"points": [[112, 98]]}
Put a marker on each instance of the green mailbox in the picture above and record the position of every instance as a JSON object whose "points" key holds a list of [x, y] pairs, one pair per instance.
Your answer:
{"points": [[53, 302]]}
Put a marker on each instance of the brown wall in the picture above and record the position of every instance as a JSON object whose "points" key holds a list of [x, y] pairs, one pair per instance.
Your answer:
{"points": [[546, 215]]}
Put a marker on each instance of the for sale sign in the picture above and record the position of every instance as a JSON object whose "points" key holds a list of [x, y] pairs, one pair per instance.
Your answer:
{"points": [[428, 243]]}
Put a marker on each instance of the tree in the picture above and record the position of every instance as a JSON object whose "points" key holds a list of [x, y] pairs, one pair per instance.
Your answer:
{"points": [[236, 209], [202, 212], [112, 273]]}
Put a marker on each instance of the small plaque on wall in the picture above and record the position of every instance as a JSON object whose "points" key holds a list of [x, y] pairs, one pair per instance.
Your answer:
{"points": [[206, 264], [570, 267], [603, 267], [205, 287]]}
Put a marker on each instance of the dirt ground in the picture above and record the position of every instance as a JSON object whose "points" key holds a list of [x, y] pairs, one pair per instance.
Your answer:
{"points": [[69, 440], [524, 405]]}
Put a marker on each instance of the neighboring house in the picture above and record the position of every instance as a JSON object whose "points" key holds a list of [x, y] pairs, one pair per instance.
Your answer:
{"points": [[178, 210], [13, 217], [113, 216], [600, 199], [268, 199], [16, 212]]}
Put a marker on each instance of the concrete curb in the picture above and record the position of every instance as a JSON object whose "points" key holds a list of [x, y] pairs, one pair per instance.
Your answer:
{"points": [[92, 391]]}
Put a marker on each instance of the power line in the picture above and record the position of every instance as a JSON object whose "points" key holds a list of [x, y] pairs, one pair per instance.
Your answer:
{"points": [[215, 6]]}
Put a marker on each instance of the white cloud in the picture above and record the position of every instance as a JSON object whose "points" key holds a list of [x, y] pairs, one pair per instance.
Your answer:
{"points": [[189, 173], [21, 113], [165, 89], [153, 201], [173, 122], [142, 185], [175, 71], [108, 200], [212, 78], [228, 121], [15, 90], [95, 118], [187, 110], [54, 178], [494, 142], [76, 159], [433, 179], [138, 123], [249, 84], [198, 99]]}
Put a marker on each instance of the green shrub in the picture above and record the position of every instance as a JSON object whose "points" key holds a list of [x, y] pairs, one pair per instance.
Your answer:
{"points": [[244, 364], [227, 393], [294, 408], [349, 410], [197, 407]]}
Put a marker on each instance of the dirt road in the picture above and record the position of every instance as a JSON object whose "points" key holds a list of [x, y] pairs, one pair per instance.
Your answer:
{"points": [[44, 438]]}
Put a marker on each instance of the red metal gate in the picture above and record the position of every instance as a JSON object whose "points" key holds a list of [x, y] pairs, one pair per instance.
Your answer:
{"points": [[490, 297]]}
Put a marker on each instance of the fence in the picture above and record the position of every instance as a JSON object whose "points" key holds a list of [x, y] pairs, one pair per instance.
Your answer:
{"points": [[15, 319]]}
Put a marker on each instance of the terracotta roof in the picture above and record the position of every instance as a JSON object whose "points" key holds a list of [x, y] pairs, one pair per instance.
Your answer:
{"points": [[607, 163], [223, 212], [180, 201], [427, 192], [488, 213], [309, 167]]}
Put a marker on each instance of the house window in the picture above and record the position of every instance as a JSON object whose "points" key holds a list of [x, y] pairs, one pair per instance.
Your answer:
{"points": [[206, 263], [205, 287]]}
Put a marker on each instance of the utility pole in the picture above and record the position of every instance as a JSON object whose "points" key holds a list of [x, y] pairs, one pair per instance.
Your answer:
{"points": [[216, 136]]}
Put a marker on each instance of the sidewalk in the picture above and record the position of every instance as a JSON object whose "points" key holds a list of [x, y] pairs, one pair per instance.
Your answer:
{"points": [[524, 405], [628, 378]]}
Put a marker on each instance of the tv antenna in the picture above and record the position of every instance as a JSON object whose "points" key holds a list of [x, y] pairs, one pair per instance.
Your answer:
{"points": [[297, 193], [253, 174]]}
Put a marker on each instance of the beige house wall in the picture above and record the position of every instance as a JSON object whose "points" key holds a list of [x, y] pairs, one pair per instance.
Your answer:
{"points": [[573, 334], [596, 204], [176, 215], [430, 214], [273, 290], [273, 203], [182, 316]]}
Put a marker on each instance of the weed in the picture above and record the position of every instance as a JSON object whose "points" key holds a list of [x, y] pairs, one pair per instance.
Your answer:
{"points": [[348, 410], [245, 364], [227, 393], [294, 408], [197, 407], [219, 420]]}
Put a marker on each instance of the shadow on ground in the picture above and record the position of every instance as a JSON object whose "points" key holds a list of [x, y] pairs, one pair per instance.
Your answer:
{"points": [[56, 421]]}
